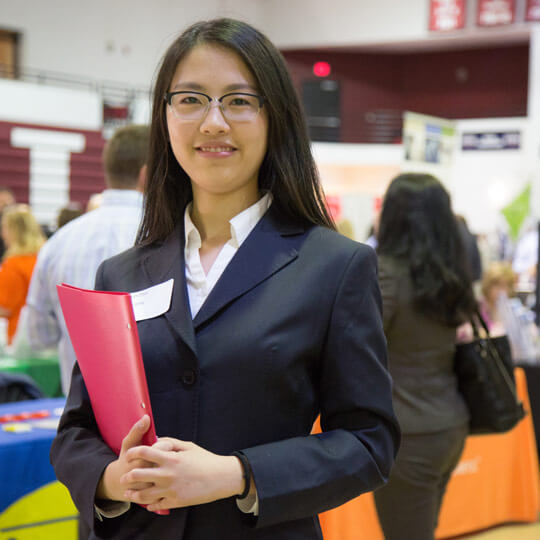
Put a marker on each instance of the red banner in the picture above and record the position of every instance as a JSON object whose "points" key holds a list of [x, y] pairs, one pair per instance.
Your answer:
{"points": [[446, 14], [533, 10], [495, 12]]}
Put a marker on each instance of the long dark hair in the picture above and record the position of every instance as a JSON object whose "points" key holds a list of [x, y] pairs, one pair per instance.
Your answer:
{"points": [[418, 228], [288, 170]]}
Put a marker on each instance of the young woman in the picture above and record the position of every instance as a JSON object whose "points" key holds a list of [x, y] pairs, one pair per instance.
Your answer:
{"points": [[427, 293], [23, 238], [274, 319]]}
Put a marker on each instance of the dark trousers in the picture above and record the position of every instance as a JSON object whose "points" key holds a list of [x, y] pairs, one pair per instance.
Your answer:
{"points": [[408, 506]]}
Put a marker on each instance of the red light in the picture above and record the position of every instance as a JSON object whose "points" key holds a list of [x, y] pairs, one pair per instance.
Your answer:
{"points": [[321, 69]]}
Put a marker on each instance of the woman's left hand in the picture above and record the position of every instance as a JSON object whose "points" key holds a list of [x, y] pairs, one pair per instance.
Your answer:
{"points": [[184, 474]]}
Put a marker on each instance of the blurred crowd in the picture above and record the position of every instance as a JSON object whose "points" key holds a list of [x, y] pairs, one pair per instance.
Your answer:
{"points": [[21, 239], [503, 274], [434, 275]]}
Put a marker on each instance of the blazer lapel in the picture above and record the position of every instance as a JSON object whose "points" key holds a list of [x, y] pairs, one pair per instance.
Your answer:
{"points": [[273, 244], [167, 262]]}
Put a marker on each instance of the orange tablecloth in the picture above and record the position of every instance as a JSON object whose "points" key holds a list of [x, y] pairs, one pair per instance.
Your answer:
{"points": [[496, 481]]}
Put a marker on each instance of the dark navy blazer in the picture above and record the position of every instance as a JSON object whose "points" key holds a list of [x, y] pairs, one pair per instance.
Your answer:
{"points": [[292, 329]]}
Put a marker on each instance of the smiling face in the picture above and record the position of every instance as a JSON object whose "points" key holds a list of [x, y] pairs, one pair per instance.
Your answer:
{"points": [[221, 157]]}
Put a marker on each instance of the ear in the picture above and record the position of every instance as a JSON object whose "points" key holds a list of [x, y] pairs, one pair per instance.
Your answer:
{"points": [[141, 182]]}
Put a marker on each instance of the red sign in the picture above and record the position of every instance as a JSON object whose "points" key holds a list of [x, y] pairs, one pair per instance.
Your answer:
{"points": [[533, 10], [446, 14], [495, 12]]}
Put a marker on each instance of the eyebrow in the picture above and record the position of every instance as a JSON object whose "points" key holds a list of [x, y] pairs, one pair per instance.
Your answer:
{"points": [[199, 87]]}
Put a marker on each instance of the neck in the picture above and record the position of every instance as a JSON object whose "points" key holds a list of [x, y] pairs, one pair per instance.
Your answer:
{"points": [[211, 213]]}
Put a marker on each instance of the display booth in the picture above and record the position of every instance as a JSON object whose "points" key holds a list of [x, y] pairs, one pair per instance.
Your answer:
{"points": [[495, 482]]}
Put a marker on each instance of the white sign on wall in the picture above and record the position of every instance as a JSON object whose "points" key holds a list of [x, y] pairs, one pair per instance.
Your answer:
{"points": [[49, 167]]}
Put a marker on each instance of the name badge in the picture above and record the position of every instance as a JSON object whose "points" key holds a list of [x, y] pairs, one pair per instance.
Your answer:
{"points": [[152, 302]]}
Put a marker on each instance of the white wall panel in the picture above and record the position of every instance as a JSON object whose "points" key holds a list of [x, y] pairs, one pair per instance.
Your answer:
{"points": [[305, 23], [123, 40], [533, 106], [117, 41], [40, 104], [50, 153], [483, 182]]}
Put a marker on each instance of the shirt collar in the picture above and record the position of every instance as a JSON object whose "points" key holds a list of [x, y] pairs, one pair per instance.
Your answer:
{"points": [[112, 197], [192, 236], [241, 224]]}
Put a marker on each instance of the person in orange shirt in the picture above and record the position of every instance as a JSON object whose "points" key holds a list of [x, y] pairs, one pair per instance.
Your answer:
{"points": [[23, 238]]}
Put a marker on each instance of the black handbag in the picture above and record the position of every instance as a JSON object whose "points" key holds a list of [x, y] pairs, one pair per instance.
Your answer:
{"points": [[485, 374]]}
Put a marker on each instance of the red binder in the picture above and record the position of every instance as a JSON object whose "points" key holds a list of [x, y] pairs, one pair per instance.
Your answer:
{"points": [[104, 334]]}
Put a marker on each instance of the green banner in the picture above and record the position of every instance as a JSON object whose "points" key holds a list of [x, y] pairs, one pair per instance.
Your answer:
{"points": [[517, 211]]}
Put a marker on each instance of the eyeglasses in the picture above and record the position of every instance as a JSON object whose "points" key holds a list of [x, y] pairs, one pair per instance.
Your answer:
{"points": [[236, 106]]}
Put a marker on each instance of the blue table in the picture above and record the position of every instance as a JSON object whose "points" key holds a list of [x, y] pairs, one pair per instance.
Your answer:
{"points": [[27, 479]]}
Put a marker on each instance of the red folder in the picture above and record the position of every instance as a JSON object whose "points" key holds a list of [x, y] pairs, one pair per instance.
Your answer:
{"points": [[104, 334]]}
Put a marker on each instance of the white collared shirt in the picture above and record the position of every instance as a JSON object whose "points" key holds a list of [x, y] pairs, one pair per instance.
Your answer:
{"points": [[199, 284]]}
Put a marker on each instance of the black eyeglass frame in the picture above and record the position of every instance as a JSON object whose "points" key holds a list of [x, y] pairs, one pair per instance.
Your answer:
{"points": [[169, 95]]}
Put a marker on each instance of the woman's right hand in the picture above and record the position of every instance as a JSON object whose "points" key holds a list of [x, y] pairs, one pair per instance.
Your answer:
{"points": [[109, 486]]}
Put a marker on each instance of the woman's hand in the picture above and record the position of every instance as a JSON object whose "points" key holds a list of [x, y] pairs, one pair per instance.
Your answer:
{"points": [[109, 486], [183, 474]]}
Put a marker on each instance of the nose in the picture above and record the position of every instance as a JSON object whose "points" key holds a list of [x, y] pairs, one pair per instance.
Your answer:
{"points": [[214, 121]]}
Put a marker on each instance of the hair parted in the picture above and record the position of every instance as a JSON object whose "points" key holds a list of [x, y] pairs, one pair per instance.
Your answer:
{"points": [[418, 228], [288, 170], [124, 156]]}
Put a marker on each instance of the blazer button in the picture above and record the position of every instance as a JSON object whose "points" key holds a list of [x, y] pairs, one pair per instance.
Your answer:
{"points": [[189, 377]]}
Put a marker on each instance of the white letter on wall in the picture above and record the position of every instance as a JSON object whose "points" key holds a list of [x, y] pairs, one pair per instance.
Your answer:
{"points": [[49, 167]]}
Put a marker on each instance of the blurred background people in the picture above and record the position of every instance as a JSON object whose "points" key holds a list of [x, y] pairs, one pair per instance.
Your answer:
{"points": [[374, 229], [526, 256], [6, 199], [426, 293], [23, 238], [74, 252], [346, 228], [67, 213], [505, 313], [498, 280]]}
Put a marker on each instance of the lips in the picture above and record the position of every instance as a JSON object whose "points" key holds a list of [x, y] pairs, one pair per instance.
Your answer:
{"points": [[216, 149]]}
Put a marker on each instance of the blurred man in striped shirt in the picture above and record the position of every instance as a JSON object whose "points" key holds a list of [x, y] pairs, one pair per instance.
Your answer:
{"points": [[74, 252]]}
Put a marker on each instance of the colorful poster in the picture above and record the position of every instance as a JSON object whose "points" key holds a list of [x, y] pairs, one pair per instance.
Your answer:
{"points": [[495, 12], [532, 12], [427, 139], [446, 14]]}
